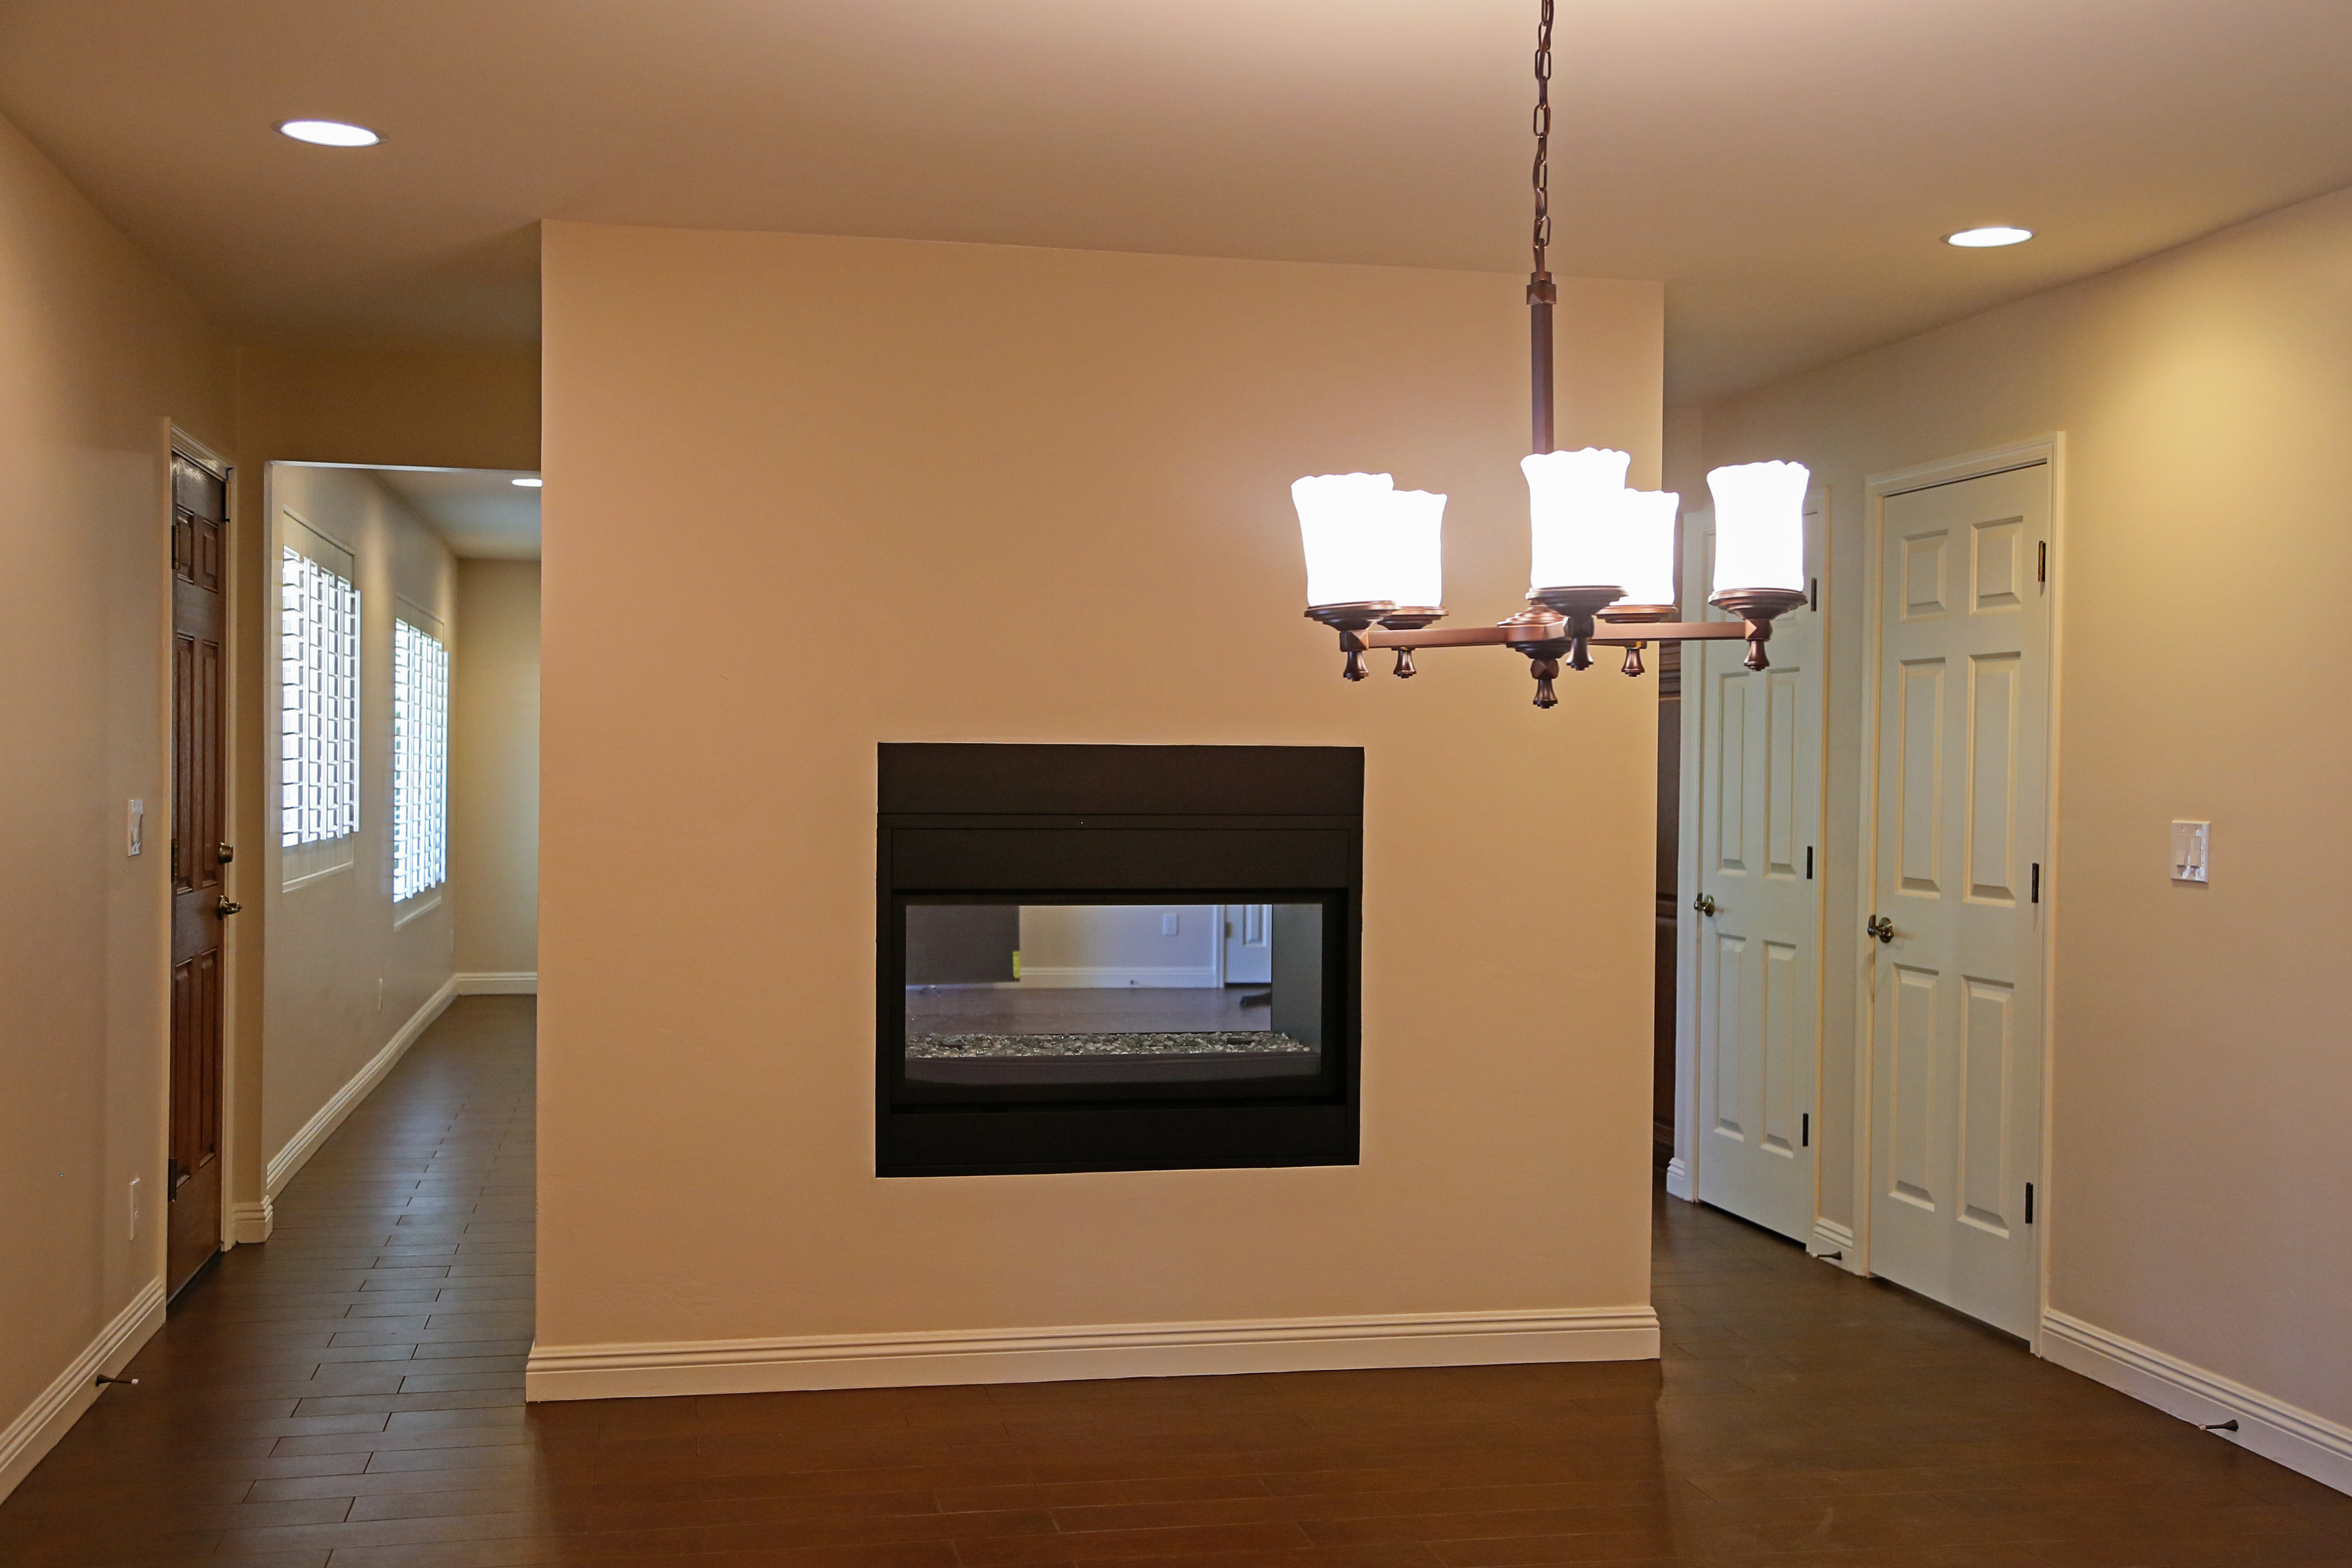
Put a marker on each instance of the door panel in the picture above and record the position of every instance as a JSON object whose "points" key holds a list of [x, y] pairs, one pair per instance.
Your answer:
{"points": [[1728, 1058], [1957, 994], [1759, 1005], [1992, 777], [1784, 1003], [1984, 1139], [199, 825], [1912, 1053]]}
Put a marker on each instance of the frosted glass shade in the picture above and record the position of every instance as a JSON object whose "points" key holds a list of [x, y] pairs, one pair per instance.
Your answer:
{"points": [[1760, 526], [1574, 515], [1646, 546], [1368, 542]]}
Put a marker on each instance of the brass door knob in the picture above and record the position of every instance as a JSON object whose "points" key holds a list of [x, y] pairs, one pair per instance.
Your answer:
{"points": [[1704, 904], [1880, 927], [228, 907]]}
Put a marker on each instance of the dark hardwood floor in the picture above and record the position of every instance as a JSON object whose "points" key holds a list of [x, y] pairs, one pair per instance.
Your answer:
{"points": [[351, 1396]]}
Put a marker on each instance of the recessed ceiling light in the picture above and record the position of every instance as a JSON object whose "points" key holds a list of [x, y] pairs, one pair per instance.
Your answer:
{"points": [[330, 133], [528, 484], [1986, 239]]}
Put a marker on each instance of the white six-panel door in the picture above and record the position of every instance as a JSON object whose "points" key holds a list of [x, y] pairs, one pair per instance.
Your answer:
{"points": [[1760, 916], [1956, 996]]}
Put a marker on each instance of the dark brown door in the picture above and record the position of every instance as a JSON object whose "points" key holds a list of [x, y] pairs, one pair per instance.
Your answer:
{"points": [[199, 901]]}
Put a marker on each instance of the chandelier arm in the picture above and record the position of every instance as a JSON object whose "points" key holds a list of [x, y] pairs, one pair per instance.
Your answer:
{"points": [[1544, 644]]}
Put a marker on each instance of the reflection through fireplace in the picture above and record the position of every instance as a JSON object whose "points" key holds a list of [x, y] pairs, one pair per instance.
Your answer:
{"points": [[1096, 958]]}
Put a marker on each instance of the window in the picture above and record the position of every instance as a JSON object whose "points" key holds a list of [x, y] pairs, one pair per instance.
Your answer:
{"points": [[319, 724], [420, 760]]}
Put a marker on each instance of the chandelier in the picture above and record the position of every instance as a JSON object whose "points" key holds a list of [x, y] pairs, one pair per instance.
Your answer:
{"points": [[1602, 570]]}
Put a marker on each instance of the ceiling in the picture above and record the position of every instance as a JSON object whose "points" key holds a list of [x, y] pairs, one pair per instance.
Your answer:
{"points": [[1788, 167], [480, 513]]}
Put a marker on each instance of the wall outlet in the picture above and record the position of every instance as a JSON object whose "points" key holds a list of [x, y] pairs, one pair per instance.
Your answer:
{"points": [[1171, 924], [138, 825], [134, 1209], [2192, 844]]}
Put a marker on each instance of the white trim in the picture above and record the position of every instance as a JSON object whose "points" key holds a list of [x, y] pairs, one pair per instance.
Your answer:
{"points": [[284, 1164], [1118, 1350], [1072, 977], [1678, 1181], [1830, 1237], [423, 901], [186, 446], [518, 982], [1682, 1171], [2303, 1441], [2052, 754], [24, 1441], [251, 1223]]}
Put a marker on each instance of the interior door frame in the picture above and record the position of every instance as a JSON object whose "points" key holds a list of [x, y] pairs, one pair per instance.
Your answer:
{"points": [[233, 1133], [2049, 451], [1691, 564]]}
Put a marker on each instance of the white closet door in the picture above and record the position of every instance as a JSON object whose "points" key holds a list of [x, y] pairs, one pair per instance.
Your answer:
{"points": [[1955, 996], [1760, 916]]}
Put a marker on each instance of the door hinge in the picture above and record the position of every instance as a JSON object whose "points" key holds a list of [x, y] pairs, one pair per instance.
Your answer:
{"points": [[1808, 862], [2037, 881], [2029, 1202], [2042, 562], [1805, 1137], [1812, 593]]}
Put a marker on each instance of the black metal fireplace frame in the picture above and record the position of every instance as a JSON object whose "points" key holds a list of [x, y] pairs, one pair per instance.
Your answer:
{"points": [[1120, 822]]}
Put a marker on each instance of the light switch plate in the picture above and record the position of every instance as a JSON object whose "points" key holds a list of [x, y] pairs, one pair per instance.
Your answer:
{"points": [[2192, 844], [1169, 925]]}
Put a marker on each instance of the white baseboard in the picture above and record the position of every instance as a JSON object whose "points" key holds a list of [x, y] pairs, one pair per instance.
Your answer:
{"points": [[1118, 1350], [2294, 1437], [251, 1223], [1678, 1179], [1050, 977], [284, 1164], [37, 1428], [520, 983], [1830, 1237]]}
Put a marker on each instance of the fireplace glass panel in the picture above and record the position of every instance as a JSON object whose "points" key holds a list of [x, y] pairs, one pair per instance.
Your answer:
{"points": [[1036, 999]]}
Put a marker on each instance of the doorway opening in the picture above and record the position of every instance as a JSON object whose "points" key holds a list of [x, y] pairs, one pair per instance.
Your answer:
{"points": [[1954, 988], [401, 779], [1925, 1162]]}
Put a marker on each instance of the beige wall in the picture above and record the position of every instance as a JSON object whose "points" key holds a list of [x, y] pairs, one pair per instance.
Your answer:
{"points": [[806, 495], [2200, 1077], [380, 406], [494, 771], [347, 968], [99, 351]]}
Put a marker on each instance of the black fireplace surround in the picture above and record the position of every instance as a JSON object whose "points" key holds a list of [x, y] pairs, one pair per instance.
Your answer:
{"points": [[974, 840]]}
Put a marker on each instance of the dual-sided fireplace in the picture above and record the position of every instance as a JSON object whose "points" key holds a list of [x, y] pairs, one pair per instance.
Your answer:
{"points": [[1243, 1054]]}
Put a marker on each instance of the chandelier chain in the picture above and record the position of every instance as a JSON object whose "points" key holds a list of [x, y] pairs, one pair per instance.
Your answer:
{"points": [[1542, 121]]}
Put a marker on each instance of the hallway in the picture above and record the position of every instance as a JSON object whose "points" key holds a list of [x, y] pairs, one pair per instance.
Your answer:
{"points": [[350, 1395]]}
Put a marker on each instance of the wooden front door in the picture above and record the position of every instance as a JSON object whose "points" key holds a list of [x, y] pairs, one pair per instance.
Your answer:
{"points": [[199, 900]]}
